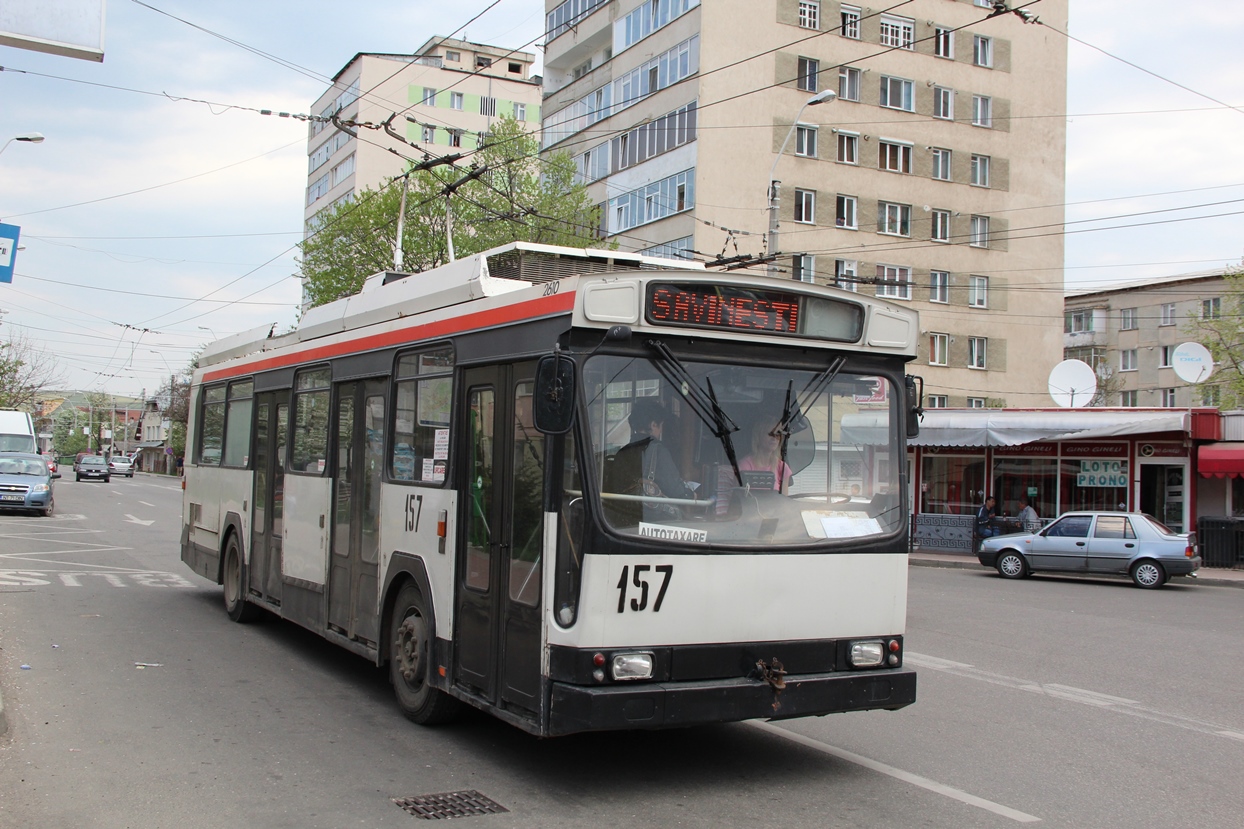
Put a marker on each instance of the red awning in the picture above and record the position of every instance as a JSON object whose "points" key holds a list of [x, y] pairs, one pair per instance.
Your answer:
{"points": [[1220, 460]]}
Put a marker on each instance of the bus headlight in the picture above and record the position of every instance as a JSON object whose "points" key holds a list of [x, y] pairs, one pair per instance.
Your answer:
{"points": [[632, 666], [866, 654]]}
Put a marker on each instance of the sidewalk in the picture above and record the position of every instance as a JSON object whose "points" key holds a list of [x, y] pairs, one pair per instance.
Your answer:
{"points": [[1206, 575]]}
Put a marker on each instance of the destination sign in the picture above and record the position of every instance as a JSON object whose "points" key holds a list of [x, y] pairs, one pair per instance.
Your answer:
{"points": [[726, 307]]}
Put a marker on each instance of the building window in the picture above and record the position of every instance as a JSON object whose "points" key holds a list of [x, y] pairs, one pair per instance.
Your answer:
{"points": [[514, 68], [455, 100], [1166, 355], [894, 219], [979, 232], [940, 231], [455, 138], [850, 16], [982, 111], [897, 31], [805, 141], [1128, 398], [846, 274], [935, 401], [976, 402], [978, 291], [944, 42], [976, 352], [1211, 309], [939, 287], [897, 93], [805, 206], [808, 71], [429, 97], [980, 170], [429, 133], [809, 14], [1168, 314], [894, 157], [1127, 359], [520, 111], [667, 196], [1211, 396], [845, 212], [453, 57], [482, 62], [982, 50], [941, 164], [487, 105], [1078, 322], [939, 349], [1127, 319], [894, 281], [803, 267], [848, 148], [943, 103], [848, 83]]}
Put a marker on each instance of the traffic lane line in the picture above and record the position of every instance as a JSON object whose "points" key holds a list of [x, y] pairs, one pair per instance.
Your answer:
{"points": [[898, 774]]}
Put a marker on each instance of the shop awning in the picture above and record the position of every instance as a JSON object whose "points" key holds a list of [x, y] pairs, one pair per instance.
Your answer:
{"points": [[1220, 460], [1008, 427]]}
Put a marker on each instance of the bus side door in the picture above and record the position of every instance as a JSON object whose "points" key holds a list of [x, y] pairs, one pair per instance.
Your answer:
{"points": [[271, 433], [500, 480]]}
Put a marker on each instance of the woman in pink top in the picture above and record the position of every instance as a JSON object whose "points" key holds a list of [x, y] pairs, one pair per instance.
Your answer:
{"points": [[766, 456]]}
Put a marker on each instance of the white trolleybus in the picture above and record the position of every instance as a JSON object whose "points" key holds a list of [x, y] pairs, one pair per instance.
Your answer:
{"points": [[580, 490]]}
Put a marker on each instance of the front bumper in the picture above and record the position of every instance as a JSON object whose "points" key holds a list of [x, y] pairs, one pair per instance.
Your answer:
{"points": [[576, 708], [33, 501]]}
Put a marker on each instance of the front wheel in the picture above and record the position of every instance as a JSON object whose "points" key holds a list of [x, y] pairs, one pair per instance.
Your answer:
{"points": [[1012, 566], [1148, 574], [47, 511], [236, 606], [410, 661]]}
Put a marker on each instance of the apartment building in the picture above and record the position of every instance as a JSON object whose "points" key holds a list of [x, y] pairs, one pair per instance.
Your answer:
{"points": [[446, 95], [932, 175], [1129, 333]]}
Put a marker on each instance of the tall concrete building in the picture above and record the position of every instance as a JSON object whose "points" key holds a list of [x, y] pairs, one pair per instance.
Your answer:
{"points": [[920, 156], [446, 95]]}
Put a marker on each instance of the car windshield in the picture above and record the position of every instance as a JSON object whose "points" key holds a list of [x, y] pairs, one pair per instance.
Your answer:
{"points": [[92, 461], [20, 466], [714, 452]]}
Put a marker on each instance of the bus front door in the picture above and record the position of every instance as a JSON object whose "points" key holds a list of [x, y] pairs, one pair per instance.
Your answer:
{"points": [[500, 483], [352, 579], [271, 430]]}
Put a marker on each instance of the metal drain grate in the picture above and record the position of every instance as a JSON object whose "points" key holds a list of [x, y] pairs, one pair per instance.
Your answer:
{"points": [[449, 805]]}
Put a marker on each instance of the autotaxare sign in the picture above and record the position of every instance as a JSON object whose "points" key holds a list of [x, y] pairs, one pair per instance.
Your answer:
{"points": [[1102, 473]]}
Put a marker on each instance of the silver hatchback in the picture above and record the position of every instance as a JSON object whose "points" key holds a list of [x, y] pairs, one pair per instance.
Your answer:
{"points": [[1096, 543]]}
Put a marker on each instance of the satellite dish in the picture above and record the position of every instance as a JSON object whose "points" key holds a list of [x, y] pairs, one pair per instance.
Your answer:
{"points": [[1193, 363], [1073, 383]]}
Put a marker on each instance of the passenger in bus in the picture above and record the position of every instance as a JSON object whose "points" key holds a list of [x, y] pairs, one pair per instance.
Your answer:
{"points": [[766, 456], [658, 474]]}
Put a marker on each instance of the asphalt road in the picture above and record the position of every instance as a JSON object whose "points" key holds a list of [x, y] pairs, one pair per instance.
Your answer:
{"points": [[1059, 701]]}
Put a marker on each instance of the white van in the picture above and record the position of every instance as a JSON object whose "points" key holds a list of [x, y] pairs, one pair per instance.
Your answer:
{"points": [[17, 432]]}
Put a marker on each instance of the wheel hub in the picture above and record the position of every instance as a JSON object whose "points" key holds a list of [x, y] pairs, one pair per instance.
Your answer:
{"points": [[409, 638]]}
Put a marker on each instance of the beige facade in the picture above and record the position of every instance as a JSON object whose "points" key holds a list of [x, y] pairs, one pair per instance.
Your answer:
{"points": [[676, 120], [1129, 333], [445, 95]]}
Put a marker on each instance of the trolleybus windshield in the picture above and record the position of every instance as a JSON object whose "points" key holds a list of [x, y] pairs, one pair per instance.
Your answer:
{"points": [[757, 456]]}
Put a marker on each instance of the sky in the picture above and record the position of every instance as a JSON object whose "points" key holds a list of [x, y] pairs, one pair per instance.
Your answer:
{"points": [[153, 222]]}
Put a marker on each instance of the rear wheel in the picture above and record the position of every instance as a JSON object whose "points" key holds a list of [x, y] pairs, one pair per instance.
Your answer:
{"points": [[410, 661], [236, 606], [1011, 565], [1148, 574]]}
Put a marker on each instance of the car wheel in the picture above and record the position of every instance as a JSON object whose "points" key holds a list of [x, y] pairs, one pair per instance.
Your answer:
{"points": [[47, 511], [78, 478], [410, 661], [1148, 574], [1011, 565], [107, 479], [236, 606]]}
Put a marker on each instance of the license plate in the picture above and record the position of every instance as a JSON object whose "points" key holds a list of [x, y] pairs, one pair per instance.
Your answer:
{"points": [[12, 497]]}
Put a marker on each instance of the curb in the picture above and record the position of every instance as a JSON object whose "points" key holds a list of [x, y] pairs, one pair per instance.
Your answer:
{"points": [[4, 724], [1203, 576]]}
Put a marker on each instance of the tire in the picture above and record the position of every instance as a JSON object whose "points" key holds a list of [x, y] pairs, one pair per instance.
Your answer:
{"points": [[411, 628], [1148, 574], [78, 478], [234, 578], [47, 511], [1011, 565]]}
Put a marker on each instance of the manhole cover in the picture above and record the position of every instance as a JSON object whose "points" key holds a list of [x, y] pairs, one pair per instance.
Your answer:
{"points": [[449, 805]]}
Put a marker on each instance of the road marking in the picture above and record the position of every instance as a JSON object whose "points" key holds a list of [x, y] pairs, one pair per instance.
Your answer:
{"points": [[74, 578], [1121, 705], [145, 504], [132, 520], [898, 774]]}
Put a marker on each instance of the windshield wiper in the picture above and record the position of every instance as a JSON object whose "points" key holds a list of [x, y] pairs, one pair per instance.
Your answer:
{"points": [[811, 391], [703, 403]]}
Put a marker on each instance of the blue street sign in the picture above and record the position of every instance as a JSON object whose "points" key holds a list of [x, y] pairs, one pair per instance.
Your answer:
{"points": [[8, 250]]}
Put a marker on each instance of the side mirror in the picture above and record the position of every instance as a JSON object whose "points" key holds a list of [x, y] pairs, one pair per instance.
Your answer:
{"points": [[55, 474], [554, 398], [914, 387]]}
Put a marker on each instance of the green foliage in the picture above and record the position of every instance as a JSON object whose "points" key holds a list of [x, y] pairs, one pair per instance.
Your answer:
{"points": [[67, 434], [1224, 337], [519, 198]]}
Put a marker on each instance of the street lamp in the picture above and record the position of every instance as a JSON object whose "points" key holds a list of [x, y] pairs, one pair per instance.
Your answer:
{"points": [[28, 137], [774, 185], [210, 331]]}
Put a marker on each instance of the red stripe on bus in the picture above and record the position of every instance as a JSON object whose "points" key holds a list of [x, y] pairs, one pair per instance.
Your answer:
{"points": [[544, 306]]}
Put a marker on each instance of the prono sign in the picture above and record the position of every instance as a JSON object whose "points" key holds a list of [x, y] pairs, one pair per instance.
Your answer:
{"points": [[1102, 473]]}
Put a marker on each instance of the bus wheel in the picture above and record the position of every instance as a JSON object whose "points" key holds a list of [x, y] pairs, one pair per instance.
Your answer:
{"points": [[410, 662], [236, 606]]}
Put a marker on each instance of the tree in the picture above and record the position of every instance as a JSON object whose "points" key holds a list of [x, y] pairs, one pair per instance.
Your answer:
{"points": [[518, 197], [25, 372], [1221, 330]]}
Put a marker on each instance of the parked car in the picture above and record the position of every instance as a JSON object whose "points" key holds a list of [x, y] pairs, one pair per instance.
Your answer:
{"points": [[26, 482], [121, 465], [52, 464], [1130, 543], [93, 466]]}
